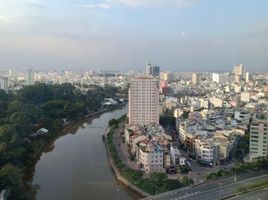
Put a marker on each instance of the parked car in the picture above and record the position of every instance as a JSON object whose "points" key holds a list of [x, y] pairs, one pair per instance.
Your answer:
{"points": [[171, 169]]}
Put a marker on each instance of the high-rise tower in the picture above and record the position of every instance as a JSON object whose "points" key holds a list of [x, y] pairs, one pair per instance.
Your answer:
{"points": [[144, 100], [152, 70], [29, 77]]}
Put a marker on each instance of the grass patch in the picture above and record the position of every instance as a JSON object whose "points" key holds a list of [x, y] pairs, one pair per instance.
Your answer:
{"points": [[261, 164], [218, 174], [252, 187]]}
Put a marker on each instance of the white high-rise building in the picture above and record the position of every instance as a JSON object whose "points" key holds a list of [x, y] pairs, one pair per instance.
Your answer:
{"points": [[239, 72], [216, 77], [248, 77], [258, 136], [4, 83], [195, 78], [29, 77], [143, 100], [220, 78]]}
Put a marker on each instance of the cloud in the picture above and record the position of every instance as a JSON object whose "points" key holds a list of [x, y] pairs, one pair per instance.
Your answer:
{"points": [[12, 11], [157, 3], [107, 4], [97, 6]]}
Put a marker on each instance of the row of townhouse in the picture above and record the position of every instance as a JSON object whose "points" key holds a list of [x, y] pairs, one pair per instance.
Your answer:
{"points": [[210, 138], [148, 144]]}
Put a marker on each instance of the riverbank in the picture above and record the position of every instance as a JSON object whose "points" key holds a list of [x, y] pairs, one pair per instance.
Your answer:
{"points": [[117, 173]]}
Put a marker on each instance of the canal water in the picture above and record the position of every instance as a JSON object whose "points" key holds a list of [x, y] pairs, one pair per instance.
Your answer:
{"points": [[75, 166]]}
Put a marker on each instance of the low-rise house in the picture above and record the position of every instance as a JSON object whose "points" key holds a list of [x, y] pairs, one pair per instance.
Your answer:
{"points": [[151, 157], [41, 132], [167, 159], [109, 102], [147, 144], [176, 157], [204, 150], [135, 141], [224, 142]]}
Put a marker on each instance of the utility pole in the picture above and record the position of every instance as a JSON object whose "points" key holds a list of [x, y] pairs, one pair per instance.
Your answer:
{"points": [[220, 191]]}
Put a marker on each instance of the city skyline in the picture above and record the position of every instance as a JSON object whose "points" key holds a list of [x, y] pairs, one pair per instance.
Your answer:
{"points": [[125, 34]]}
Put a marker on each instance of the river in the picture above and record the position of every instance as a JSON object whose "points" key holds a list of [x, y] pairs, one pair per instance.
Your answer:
{"points": [[75, 166]]}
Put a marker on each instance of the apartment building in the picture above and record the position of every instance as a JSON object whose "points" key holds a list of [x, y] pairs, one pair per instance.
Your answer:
{"points": [[258, 136], [204, 150], [151, 157], [176, 157], [144, 100], [195, 78]]}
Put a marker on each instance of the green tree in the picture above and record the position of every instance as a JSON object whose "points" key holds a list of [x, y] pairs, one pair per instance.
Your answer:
{"points": [[158, 178], [113, 122], [14, 106], [9, 175], [187, 181], [22, 121]]}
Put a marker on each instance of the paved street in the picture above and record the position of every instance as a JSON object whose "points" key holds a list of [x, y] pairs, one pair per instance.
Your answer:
{"points": [[198, 173], [209, 191], [256, 195]]}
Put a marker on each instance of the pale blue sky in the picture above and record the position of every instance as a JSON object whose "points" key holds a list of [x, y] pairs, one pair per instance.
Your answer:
{"points": [[124, 34]]}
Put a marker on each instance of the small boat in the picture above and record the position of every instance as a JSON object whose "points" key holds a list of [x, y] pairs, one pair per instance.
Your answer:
{"points": [[103, 137]]}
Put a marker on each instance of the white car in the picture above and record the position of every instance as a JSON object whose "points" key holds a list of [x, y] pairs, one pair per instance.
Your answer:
{"points": [[188, 163]]}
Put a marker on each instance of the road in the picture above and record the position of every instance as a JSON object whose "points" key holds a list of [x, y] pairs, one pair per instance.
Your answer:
{"points": [[208, 191]]}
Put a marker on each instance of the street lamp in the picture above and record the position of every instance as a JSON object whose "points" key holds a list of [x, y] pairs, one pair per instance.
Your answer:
{"points": [[234, 174], [156, 189], [117, 191], [188, 179]]}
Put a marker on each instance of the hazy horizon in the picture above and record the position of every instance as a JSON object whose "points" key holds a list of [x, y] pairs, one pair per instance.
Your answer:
{"points": [[177, 35]]}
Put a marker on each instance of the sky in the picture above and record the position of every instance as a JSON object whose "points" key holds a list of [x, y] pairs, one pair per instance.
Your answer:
{"points": [[177, 35]]}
